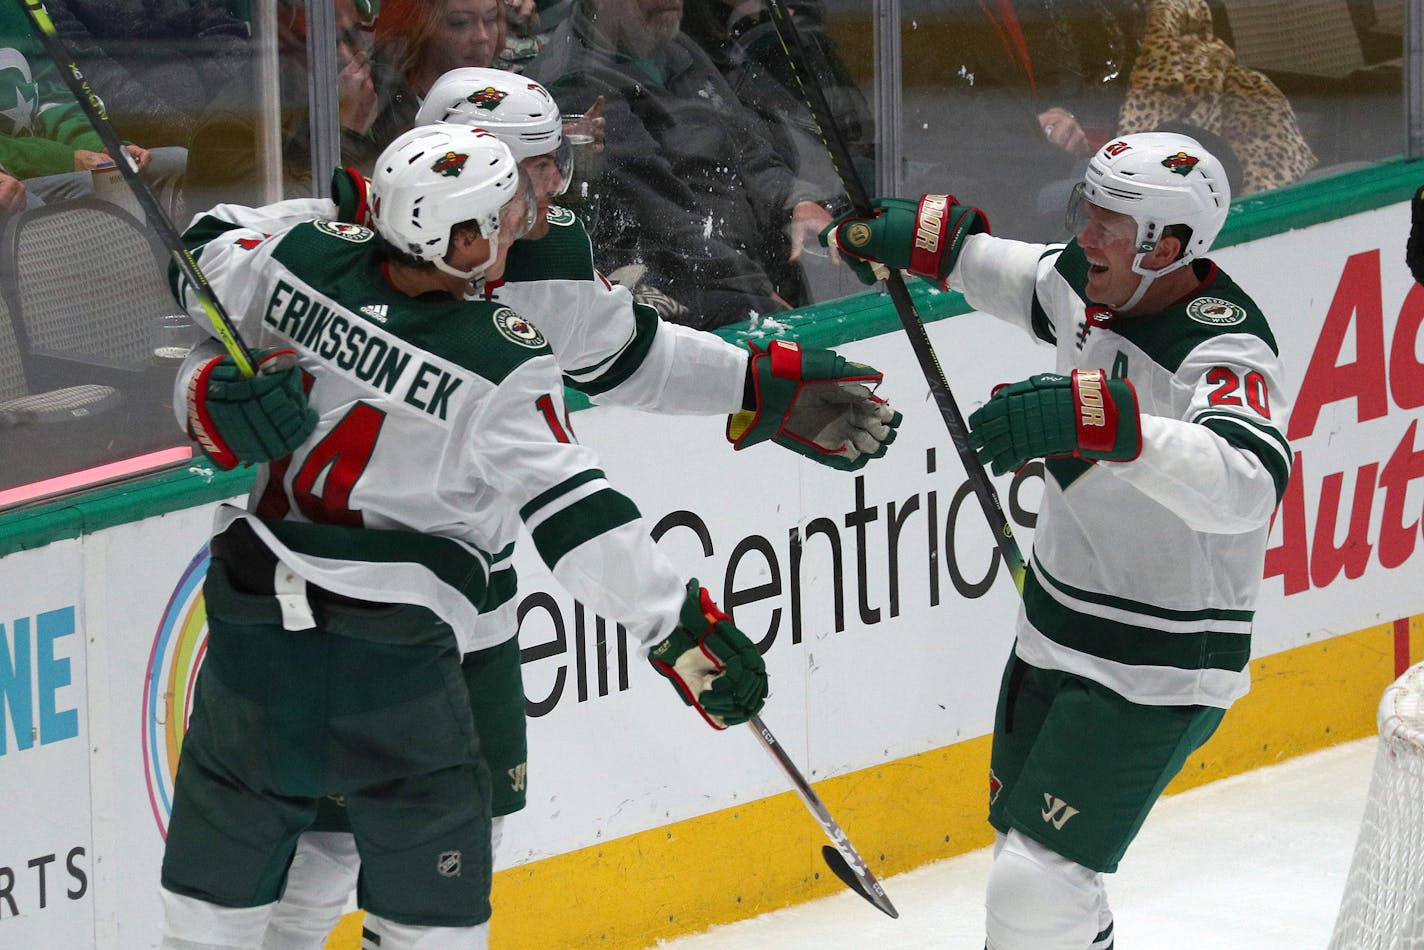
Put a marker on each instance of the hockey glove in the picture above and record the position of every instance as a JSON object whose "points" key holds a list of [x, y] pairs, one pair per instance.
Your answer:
{"points": [[237, 418], [1414, 247], [711, 663], [814, 403], [923, 237], [1086, 415], [349, 189]]}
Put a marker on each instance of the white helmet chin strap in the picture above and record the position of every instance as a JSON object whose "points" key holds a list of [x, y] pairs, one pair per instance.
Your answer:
{"points": [[474, 274], [1148, 276]]}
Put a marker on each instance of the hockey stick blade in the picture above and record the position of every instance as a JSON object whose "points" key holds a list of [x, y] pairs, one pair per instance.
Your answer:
{"points": [[93, 109], [844, 861], [798, 58]]}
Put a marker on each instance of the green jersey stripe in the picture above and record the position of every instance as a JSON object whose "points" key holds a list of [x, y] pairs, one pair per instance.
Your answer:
{"points": [[1130, 644], [503, 584], [548, 495], [456, 564], [1241, 434], [582, 521], [624, 363], [1165, 617]]}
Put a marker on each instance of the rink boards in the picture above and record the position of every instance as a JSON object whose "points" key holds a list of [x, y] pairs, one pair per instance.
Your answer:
{"points": [[884, 615]]}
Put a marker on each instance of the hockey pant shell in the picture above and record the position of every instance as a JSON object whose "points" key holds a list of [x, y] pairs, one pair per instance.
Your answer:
{"points": [[282, 718], [495, 682], [1076, 767], [324, 868]]}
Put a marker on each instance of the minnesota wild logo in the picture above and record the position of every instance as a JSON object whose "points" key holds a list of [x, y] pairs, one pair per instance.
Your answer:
{"points": [[450, 164], [487, 98], [1180, 164]]}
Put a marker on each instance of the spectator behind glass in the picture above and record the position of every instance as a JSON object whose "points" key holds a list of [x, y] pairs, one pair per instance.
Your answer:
{"points": [[1187, 80], [12, 194], [417, 41], [46, 140], [697, 203], [158, 65], [1019, 93], [741, 39], [223, 161]]}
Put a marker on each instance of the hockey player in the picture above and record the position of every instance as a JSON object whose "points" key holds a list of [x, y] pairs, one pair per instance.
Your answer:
{"points": [[617, 352], [399, 428], [1161, 431]]}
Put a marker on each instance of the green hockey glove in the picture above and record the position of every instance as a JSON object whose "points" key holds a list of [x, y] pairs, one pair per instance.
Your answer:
{"points": [[1086, 415], [923, 237], [349, 188], [237, 418], [1414, 247], [712, 664], [814, 403]]}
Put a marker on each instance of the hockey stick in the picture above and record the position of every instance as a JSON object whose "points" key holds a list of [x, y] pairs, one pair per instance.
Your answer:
{"points": [[845, 862], [93, 107], [798, 58]]}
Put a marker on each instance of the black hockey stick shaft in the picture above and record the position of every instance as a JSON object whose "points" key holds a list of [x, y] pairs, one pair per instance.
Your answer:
{"points": [[799, 57], [93, 107], [843, 859]]}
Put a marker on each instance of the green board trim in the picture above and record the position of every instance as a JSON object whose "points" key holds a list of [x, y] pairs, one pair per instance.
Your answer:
{"points": [[832, 323]]}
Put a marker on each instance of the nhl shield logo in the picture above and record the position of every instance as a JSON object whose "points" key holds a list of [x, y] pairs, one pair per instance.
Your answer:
{"points": [[450, 164], [448, 864]]}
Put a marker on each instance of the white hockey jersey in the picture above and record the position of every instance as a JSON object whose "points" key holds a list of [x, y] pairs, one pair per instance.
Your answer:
{"points": [[1144, 574], [438, 419]]}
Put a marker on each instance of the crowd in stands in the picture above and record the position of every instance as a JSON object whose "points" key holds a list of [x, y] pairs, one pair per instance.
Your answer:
{"points": [[713, 181]]}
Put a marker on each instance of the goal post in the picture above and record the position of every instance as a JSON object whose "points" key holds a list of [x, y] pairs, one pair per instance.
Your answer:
{"points": [[1382, 907]]}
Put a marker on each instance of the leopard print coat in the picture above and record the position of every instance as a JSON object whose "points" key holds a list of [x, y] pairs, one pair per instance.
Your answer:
{"points": [[1184, 73]]}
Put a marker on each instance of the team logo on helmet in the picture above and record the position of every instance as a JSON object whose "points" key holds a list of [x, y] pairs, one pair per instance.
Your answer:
{"points": [[347, 232], [487, 98], [450, 164], [858, 234], [1180, 164], [1215, 312], [517, 330]]}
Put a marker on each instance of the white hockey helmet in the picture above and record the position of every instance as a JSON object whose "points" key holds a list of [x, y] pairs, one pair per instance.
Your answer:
{"points": [[518, 110], [1158, 179], [436, 176]]}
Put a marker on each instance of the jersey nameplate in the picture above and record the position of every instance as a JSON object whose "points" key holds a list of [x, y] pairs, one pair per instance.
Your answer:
{"points": [[516, 329], [1215, 312], [381, 360]]}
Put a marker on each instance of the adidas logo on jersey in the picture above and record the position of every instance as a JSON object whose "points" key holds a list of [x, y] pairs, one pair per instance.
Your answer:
{"points": [[376, 311]]}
